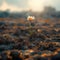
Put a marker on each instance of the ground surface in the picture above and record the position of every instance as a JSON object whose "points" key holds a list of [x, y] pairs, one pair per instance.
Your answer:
{"points": [[22, 42]]}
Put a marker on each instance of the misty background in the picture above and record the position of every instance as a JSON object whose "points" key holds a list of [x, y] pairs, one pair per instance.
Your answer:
{"points": [[48, 12], [24, 8]]}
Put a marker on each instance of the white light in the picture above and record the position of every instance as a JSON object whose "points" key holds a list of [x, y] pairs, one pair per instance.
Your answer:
{"points": [[38, 5]]}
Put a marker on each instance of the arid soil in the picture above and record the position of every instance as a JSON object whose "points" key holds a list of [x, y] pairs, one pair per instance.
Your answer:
{"points": [[23, 42]]}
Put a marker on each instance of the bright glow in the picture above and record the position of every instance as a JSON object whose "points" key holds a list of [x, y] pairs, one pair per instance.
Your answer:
{"points": [[35, 5], [38, 5]]}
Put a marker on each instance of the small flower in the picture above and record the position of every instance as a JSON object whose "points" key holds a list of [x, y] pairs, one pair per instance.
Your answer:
{"points": [[30, 18]]}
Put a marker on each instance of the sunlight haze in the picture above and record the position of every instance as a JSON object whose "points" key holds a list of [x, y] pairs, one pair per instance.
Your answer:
{"points": [[35, 5]]}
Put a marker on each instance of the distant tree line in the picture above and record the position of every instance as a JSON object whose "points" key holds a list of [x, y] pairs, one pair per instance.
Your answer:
{"points": [[48, 12]]}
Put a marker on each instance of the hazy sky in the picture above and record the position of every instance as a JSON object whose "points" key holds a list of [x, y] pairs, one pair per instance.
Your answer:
{"points": [[35, 5]]}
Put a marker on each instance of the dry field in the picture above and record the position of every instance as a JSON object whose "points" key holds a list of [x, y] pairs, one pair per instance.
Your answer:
{"points": [[20, 41]]}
